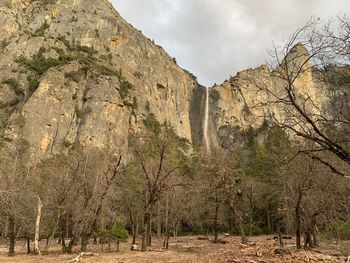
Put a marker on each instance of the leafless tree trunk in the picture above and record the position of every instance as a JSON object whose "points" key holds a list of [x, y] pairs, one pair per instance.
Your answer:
{"points": [[12, 235], [159, 222], [37, 228], [216, 217], [145, 229], [166, 238], [298, 218]]}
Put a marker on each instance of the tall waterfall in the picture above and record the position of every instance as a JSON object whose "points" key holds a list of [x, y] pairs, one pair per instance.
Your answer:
{"points": [[206, 122]]}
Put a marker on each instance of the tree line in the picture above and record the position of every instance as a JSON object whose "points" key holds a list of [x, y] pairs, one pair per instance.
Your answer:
{"points": [[288, 176]]}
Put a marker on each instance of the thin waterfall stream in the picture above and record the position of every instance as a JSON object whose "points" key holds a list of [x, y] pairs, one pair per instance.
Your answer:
{"points": [[206, 121]]}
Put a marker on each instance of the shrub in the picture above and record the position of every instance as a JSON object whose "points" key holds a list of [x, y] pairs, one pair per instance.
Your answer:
{"points": [[33, 84], [152, 124], [341, 229]]}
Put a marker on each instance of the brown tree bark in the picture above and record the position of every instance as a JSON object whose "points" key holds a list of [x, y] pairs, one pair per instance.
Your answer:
{"points": [[28, 246], [298, 219], [166, 238], [84, 242], [12, 236], [145, 230], [216, 218]]}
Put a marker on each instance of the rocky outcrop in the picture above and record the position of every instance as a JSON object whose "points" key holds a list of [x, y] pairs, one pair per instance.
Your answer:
{"points": [[76, 72], [242, 101]]}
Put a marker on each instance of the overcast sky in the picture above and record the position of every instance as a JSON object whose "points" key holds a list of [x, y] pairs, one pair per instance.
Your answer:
{"points": [[217, 38]]}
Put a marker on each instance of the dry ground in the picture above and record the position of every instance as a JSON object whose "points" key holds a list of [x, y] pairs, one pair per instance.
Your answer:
{"points": [[191, 250]]}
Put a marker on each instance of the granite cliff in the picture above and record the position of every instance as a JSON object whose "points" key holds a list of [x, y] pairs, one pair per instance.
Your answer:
{"points": [[74, 71]]}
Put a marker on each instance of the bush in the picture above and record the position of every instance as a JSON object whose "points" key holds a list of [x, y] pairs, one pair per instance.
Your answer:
{"points": [[341, 229], [39, 64], [33, 84], [152, 124]]}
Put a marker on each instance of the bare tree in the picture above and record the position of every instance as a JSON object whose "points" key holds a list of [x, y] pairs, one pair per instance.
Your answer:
{"points": [[309, 85], [160, 155]]}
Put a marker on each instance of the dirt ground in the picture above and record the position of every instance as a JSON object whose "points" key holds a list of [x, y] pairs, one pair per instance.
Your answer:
{"points": [[191, 250]]}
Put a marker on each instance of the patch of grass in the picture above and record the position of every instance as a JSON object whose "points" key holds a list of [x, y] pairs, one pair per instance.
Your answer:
{"points": [[33, 84]]}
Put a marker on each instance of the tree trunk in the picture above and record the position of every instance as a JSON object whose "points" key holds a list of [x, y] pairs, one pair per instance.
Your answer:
{"points": [[149, 235], [280, 240], [314, 230], [314, 236], [268, 219], [47, 244], [109, 245], [133, 229], [84, 242], [61, 225], [37, 228], [159, 223], [307, 241], [28, 246], [216, 230], [70, 245], [118, 245], [166, 238], [6, 227], [145, 231], [251, 207], [298, 219], [12, 236], [243, 236], [63, 244]]}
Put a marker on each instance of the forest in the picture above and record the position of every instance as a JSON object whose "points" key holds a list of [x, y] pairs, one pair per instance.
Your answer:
{"points": [[284, 177]]}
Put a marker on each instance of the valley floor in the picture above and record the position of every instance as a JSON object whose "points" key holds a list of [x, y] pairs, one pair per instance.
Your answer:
{"points": [[192, 250]]}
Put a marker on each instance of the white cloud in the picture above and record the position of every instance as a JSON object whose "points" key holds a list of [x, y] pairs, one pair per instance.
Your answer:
{"points": [[216, 38]]}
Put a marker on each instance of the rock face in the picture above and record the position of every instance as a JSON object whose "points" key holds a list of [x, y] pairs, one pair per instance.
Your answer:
{"points": [[240, 103], [74, 71]]}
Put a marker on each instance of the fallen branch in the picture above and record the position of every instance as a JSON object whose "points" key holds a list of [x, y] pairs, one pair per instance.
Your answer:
{"points": [[80, 256]]}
